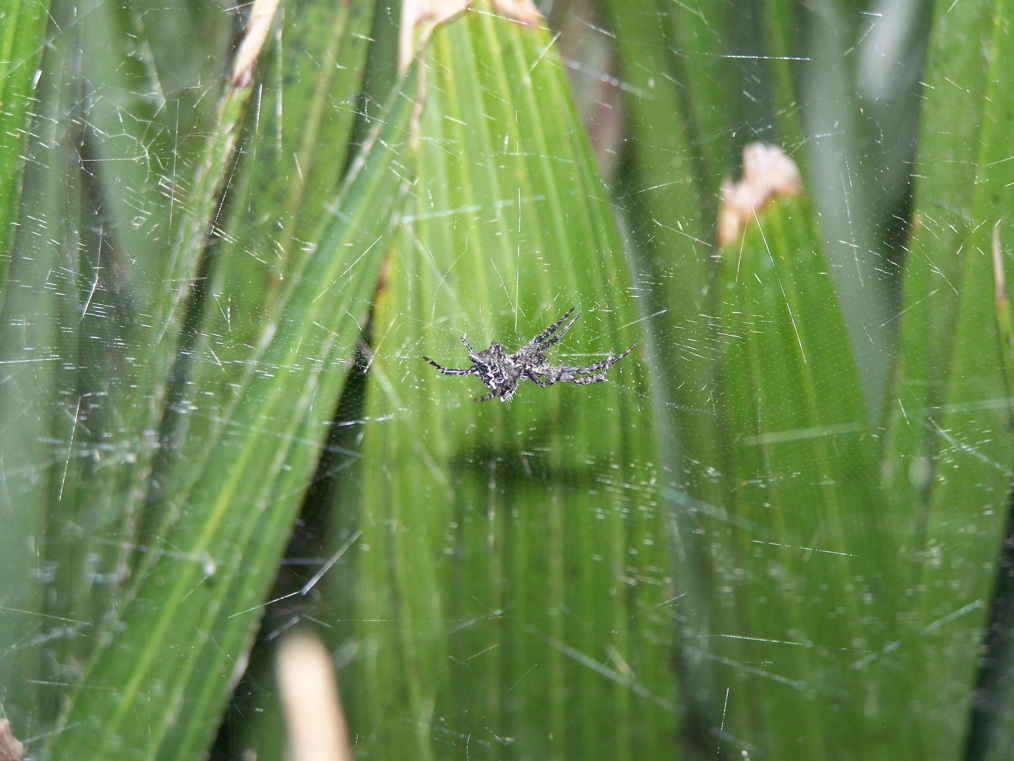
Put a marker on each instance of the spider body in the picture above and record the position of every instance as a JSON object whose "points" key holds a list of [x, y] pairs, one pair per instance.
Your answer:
{"points": [[501, 372]]}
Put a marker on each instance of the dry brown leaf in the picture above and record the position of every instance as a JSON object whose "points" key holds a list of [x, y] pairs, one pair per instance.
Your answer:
{"points": [[10, 748], [767, 174], [313, 713], [257, 28], [420, 17]]}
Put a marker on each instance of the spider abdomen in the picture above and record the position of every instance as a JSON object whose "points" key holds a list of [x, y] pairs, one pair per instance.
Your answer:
{"points": [[497, 371]]}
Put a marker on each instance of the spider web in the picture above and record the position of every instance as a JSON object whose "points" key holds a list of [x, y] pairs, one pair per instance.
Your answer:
{"points": [[491, 626]]}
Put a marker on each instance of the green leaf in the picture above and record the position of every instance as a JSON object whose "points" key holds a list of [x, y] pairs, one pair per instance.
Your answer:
{"points": [[280, 201], [101, 228], [223, 522], [512, 581], [26, 374], [693, 74], [21, 43], [951, 448], [802, 544]]}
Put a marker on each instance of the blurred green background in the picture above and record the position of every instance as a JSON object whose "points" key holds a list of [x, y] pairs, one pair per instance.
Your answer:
{"points": [[781, 528]]}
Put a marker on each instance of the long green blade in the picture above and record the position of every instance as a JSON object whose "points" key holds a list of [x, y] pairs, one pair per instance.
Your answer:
{"points": [[951, 448], [21, 44], [26, 376], [179, 637], [511, 593], [802, 538]]}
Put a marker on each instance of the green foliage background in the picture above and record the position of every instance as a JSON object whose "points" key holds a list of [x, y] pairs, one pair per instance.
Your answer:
{"points": [[776, 531]]}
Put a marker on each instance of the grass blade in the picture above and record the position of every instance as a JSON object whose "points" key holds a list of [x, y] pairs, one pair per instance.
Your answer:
{"points": [[804, 528], [21, 45], [495, 596], [951, 450], [227, 523]]}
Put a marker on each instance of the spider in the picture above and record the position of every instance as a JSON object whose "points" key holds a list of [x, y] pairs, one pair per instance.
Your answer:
{"points": [[501, 372]]}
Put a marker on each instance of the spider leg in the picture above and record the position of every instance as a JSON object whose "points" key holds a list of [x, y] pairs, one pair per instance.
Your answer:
{"points": [[605, 364], [580, 376], [451, 370], [552, 374], [541, 339], [485, 398], [540, 380]]}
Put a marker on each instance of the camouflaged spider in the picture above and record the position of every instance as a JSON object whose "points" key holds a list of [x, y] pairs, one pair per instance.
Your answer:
{"points": [[501, 372]]}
